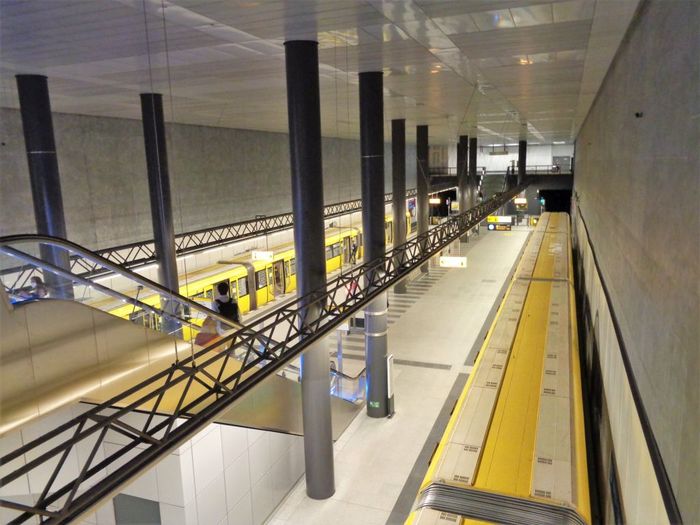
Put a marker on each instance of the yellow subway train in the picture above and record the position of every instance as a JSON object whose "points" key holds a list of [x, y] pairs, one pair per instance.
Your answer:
{"points": [[253, 283], [514, 449]]}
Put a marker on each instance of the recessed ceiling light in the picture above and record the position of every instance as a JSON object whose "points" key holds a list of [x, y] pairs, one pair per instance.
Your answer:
{"points": [[558, 142]]}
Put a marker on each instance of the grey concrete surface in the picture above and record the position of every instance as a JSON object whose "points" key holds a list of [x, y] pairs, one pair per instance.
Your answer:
{"points": [[218, 176], [638, 184]]}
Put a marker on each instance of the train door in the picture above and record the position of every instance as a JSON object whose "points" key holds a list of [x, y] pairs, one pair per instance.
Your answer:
{"points": [[279, 280], [389, 232], [270, 283], [347, 249]]}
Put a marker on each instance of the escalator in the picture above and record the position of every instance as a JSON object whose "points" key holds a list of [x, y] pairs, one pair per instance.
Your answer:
{"points": [[67, 338]]}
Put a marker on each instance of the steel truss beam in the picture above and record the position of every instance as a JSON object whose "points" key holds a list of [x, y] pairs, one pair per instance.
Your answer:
{"points": [[138, 254], [294, 326]]}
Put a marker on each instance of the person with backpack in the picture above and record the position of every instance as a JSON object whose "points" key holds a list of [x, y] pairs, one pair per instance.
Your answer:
{"points": [[224, 305]]}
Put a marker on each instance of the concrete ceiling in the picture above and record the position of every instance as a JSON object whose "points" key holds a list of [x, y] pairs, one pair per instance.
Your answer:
{"points": [[503, 69]]}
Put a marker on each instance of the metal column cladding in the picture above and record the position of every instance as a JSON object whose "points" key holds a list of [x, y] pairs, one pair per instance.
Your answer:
{"points": [[422, 182], [473, 181], [304, 112], [372, 151], [398, 187], [159, 188], [465, 189], [35, 108], [522, 161]]}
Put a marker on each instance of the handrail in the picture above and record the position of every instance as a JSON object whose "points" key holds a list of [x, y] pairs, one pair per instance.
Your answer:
{"points": [[95, 259], [304, 322], [141, 253], [667, 494]]}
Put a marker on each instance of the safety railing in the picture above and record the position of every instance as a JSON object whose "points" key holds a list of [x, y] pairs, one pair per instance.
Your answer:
{"points": [[142, 253], [205, 383]]}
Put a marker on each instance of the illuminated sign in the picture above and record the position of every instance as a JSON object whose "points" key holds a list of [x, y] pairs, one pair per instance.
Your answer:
{"points": [[499, 227], [453, 262], [499, 219], [520, 200], [258, 255], [434, 200]]}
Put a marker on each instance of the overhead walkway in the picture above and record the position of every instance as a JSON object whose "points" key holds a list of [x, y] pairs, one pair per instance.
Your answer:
{"points": [[205, 384]]}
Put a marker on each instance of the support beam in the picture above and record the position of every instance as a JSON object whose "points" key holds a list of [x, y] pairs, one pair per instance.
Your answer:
{"points": [[159, 189], [372, 151], [304, 113], [37, 124], [398, 187], [422, 182], [522, 161]]}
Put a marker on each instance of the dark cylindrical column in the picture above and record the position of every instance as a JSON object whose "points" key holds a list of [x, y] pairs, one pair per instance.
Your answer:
{"points": [[398, 187], [473, 179], [37, 124], [372, 151], [304, 112], [422, 180], [159, 188], [464, 187], [522, 161]]}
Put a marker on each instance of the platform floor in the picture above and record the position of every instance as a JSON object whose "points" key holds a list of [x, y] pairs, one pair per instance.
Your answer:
{"points": [[432, 334]]}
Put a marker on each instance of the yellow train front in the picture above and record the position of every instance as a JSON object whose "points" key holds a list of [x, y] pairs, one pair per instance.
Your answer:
{"points": [[514, 449]]}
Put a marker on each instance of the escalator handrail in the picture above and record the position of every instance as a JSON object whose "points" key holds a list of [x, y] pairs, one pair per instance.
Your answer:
{"points": [[9, 240]]}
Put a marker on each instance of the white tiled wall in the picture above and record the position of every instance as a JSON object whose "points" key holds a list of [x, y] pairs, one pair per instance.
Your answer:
{"points": [[223, 475]]}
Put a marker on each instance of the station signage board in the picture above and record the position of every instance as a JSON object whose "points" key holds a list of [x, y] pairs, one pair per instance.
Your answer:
{"points": [[453, 262], [499, 219], [499, 227], [261, 255], [520, 201]]}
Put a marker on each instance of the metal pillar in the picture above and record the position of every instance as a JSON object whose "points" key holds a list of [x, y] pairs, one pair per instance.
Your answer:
{"points": [[522, 161], [372, 151], [464, 187], [422, 181], [159, 189], [304, 112], [473, 178], [37, 124], [398, 187]]}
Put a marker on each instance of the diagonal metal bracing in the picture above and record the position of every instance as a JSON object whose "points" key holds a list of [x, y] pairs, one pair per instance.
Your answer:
{"points": [[207, 383], [139, 254]]}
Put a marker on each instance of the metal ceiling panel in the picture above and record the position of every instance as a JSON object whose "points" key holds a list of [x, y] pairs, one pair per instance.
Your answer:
{"points": [[456, 64]]}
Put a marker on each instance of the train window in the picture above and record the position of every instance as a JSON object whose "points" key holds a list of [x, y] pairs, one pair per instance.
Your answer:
{"points": [[336, 249], [232, 288], [209, 294], [242, 287], [329, 252], [260, 279], [292, 266], [199, 295]]}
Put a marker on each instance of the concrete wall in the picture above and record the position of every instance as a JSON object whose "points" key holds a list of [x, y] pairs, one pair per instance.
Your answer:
{"points": [[218, 176], [638, 185], [224, 475]]}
